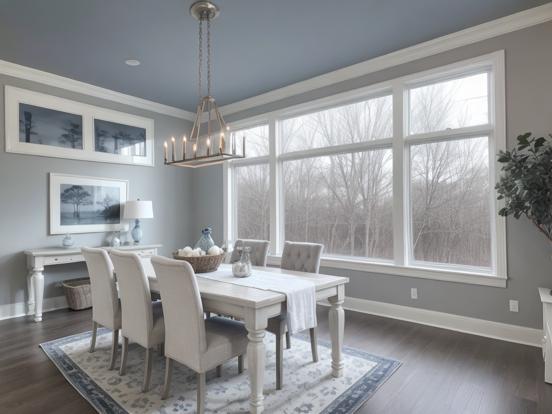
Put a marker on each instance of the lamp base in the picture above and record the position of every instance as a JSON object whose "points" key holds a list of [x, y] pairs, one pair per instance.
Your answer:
{"points": [[137, 232]]}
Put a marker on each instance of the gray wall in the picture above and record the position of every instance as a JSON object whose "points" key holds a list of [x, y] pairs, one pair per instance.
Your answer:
{"points": [[24, 198], [529, 108]]}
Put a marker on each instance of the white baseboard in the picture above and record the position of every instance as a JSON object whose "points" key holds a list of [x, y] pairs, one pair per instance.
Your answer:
{"points": [[15, 310], [481, 327]]}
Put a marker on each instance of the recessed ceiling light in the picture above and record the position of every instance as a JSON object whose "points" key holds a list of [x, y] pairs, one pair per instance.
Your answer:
{"points": [[132, 62]]}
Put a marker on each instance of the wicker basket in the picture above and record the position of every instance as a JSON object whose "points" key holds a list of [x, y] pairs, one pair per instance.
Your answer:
{"points": [[202, 264], [78, 293]]}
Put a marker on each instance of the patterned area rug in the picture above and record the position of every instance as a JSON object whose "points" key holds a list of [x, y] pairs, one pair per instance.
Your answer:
{"points": [[308, 387]]}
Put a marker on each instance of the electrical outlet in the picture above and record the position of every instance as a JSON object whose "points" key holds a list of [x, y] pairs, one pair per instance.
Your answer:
{"points": [[514, 306], [414, 293]]}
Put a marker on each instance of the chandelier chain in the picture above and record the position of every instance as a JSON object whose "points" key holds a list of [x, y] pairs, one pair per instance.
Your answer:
{"points": [[208, 56], [200, 58]]}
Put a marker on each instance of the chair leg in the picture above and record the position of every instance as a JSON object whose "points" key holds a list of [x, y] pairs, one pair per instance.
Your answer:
{"points": [[114, 346], [279, 360], [288, 340], [207, 315], [240, 364], [219, 371], [124, 355], [147, 370], [314, 344], [168, 377], [93, 339], [201, 393]]}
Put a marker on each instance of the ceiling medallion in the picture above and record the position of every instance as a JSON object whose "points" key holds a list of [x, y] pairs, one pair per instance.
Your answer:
{"points": [[206, 149]]}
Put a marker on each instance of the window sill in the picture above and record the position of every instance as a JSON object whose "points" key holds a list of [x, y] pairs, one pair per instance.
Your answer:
{"points": [[410, 271]]}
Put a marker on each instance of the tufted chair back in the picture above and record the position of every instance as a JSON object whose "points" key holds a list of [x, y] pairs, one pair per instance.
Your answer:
{"points": [[259, 251], [302, 257]]}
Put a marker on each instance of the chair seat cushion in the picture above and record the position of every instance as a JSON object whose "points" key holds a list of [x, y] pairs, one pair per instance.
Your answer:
{"points": [[225, 339]]}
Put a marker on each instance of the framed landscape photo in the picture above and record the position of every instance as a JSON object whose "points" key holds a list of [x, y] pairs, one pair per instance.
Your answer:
{"points": [[81, 204], [50, 126]]}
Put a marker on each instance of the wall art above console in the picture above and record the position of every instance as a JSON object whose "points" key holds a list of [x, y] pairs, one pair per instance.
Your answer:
{"points": [[86, 204], [50, 126]]}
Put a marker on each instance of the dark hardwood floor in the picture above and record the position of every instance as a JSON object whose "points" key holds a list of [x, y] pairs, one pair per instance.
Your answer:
{"points": [[442, 372]]}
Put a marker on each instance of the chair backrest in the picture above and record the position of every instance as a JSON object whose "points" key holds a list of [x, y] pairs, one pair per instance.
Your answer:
{"points": [[259, 251], [182, 309], [137, 315], [105, 301], [302, 257]]}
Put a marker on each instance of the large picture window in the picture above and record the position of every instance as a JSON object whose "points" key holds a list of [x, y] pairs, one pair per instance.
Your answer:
{"points": [[396, 178]]}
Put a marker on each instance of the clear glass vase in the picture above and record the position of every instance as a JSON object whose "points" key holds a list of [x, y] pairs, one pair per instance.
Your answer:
{"points": [[242, 268]]}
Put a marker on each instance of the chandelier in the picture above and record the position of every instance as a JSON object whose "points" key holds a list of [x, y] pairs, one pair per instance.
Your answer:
{"points": [[213, 143]]}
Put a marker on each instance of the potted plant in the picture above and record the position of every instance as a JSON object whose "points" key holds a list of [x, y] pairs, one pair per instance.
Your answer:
{"points": [[526, 182]]}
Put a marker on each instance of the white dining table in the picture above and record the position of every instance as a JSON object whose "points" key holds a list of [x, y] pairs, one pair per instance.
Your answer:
{"points": [[255, 306]]}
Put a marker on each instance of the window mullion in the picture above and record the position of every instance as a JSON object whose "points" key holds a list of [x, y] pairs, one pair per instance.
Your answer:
{"points": [[399, 211], [274, 176]]}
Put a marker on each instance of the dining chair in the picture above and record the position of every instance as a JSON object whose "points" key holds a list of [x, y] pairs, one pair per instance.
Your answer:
{"points": [[142, 319], [258, 254], [106, 307], [198, 343], [301, 257]]}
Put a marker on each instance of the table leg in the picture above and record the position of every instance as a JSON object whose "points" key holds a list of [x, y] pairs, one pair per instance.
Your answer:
{"points": [[37, 280], [337, 325], [30, 294], [256, 362]]}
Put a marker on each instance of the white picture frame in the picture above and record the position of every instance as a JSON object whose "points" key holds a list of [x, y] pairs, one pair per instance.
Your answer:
{"points": [[99, 211], [14, 97]]}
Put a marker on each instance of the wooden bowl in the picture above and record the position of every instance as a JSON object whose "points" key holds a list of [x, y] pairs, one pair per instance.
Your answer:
{"points": [[202, 264]]}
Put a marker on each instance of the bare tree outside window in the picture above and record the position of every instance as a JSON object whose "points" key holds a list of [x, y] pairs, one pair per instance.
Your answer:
{"points": [[449, 188], [252, 186], [342, 201]]}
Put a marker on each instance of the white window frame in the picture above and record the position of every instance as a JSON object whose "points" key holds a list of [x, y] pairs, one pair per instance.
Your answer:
{"points": [[402, 264]]}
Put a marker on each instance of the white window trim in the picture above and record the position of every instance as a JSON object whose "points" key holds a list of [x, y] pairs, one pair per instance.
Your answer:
{"points": [[400, 142]]}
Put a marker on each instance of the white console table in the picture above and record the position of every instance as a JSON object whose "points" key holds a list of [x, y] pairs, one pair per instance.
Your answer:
{"points": [[546, 299], [37, 259]]}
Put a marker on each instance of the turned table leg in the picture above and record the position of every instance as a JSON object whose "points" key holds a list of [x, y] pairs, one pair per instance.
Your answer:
{"points": [[37, 282], [337, 325], [256, 362]]}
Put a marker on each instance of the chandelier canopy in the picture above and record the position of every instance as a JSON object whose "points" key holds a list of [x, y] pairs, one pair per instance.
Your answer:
{"points": [[204, 148]]}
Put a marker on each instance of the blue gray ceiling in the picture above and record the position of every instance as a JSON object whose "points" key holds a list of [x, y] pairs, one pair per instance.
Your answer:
{"points": [[259, 45]]}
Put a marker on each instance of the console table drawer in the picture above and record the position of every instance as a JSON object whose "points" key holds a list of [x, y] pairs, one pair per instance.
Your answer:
{"points": [[53, 260]]}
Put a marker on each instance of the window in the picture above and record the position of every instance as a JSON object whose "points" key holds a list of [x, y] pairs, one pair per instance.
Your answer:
{"points": [[251, 186], [396, 178]]}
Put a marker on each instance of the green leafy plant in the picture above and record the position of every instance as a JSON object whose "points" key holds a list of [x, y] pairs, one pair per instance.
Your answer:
{"points": [[526, 182]]}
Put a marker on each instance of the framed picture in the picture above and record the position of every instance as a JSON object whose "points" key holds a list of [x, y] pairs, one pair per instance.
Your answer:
{"points": [[50, 126], [86, 204]]}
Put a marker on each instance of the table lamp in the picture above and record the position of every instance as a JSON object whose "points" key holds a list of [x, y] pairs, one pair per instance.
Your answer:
{"points": [[136, 210]]}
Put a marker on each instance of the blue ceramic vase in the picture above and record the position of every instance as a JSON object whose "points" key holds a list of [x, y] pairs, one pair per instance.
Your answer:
{"points": [[205, 242]]}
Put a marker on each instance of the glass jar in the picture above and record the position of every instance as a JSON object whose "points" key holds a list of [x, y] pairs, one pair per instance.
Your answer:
{"points": [[242, 268]]}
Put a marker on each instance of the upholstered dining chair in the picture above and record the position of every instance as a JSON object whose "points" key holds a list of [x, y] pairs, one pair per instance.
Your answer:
{"points": [[301, 257], [106, 308], [258, 254], [198, 343], [142, 319]]}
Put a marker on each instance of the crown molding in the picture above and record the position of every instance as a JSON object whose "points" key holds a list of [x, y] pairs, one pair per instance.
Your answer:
{"points": [[484, 31], [50, 79]]}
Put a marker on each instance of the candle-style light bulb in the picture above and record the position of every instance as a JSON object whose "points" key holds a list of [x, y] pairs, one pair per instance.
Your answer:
{"points": [[194, 147], [165, 150], [208, 146], [221, 143], [173, 144]]}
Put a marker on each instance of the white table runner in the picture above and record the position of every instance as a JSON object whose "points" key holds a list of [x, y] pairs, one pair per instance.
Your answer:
{"points": [[300, 293]]}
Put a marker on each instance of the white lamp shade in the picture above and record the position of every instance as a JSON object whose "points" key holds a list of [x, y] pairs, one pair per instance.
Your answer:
{"points": [[138, 209]]}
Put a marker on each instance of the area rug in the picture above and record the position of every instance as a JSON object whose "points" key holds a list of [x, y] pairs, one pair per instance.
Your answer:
{"points": [[308, 387]]}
